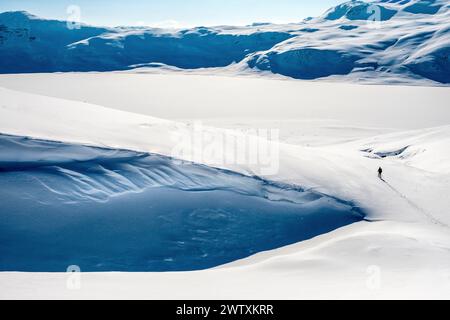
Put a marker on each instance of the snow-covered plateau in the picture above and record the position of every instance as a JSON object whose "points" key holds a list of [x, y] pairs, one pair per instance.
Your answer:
{"points": [[100, 188], [228, 162]]}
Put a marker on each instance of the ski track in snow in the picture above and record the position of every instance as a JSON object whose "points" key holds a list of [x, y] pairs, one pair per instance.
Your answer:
{"points": [[415, 206]]}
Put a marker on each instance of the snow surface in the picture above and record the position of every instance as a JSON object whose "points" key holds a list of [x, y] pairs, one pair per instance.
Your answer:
{"points": [[175, 95], [401, 250], [144, 212], [408, 43]]}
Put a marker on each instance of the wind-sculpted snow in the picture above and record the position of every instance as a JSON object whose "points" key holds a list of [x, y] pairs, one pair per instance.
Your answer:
{"points": [[427, 149], [358, 10], [106, 210], [391, 41], [423, 7]]}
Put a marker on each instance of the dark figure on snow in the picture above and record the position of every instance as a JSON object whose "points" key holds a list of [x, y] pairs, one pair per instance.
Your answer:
{"points": [[380, 171]]}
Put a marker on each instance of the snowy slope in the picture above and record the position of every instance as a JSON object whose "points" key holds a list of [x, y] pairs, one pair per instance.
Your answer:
{"points": [[144, 212], [424, 149], [84, 123], [362, 261], [410, 43], [31, 44], [54, 47], [406, 244], [411, 40]]}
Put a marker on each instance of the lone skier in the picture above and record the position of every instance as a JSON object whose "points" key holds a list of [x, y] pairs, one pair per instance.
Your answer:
{"points": [[380, 171]]}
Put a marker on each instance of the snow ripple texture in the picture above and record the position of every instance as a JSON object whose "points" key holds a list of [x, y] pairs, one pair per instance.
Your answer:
{"points": [[117, 210]]}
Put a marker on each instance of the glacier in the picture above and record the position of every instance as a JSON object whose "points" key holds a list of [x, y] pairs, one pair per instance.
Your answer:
{"points": [[409, 42]]}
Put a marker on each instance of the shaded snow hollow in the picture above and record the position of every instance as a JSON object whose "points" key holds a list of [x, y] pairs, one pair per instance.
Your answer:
{"points": [[118, 210]]}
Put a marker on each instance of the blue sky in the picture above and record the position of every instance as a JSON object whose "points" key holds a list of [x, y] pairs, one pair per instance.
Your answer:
{"points": [[175, 12]]}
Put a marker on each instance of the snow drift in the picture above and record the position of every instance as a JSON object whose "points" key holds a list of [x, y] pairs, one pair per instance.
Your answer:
{"points": [[426, 149], [118, 210]]}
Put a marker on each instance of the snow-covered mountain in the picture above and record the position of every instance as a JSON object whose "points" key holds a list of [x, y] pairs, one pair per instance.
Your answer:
{"points": [[387, 39], [31, 44], [411, 39]]}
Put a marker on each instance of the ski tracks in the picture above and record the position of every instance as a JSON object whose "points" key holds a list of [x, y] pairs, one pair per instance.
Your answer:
{"points": [[415, 206]]}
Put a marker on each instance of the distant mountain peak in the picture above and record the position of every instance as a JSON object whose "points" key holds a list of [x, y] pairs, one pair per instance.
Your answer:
{"points": [[410, 42], [18, 14]]}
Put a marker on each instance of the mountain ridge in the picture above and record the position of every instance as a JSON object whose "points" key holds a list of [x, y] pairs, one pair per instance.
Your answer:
{"points": [[408, 39]]}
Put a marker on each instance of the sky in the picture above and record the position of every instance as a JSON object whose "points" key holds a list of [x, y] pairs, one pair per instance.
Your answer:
{"points": [[173, 13]]}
